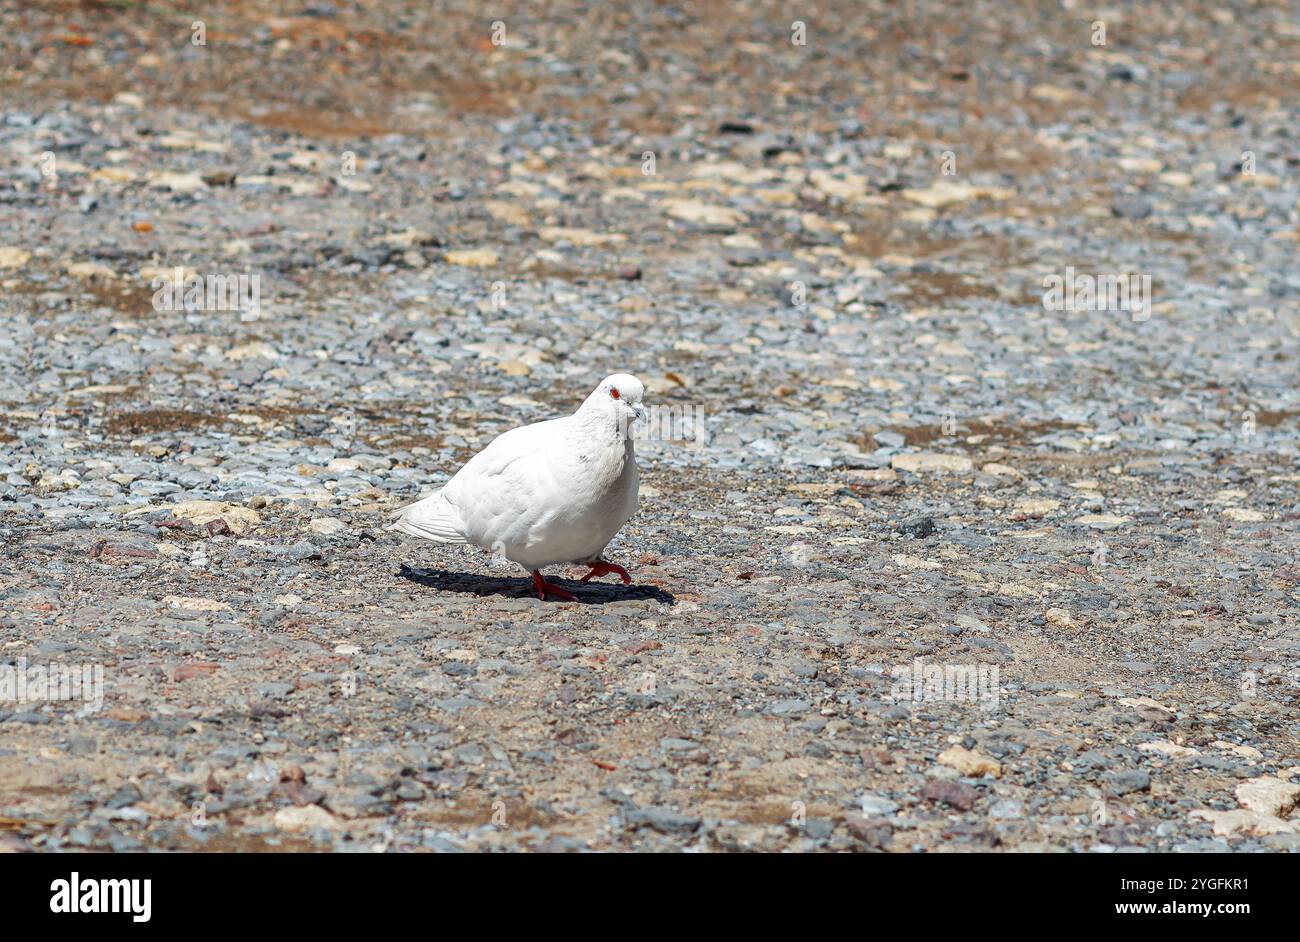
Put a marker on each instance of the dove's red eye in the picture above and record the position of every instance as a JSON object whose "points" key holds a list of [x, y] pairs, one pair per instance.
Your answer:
{"points": [[613, 391]]}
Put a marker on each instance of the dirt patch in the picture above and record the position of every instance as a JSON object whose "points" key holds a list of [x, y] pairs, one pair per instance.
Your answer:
{"points": [[159, 420]]}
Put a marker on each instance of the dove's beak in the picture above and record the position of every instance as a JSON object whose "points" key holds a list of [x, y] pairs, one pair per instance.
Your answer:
{"points": [[641, 412]]}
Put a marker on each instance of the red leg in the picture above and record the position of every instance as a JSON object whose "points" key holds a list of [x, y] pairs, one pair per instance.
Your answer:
{"points": [[544, 588], [602, 568]]}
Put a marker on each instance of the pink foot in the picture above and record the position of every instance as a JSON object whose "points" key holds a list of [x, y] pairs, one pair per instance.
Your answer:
{"points": [[602, 568], [544, 588]]}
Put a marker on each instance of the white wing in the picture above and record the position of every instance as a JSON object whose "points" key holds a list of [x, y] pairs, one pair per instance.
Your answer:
{"points": [[488, 495], [497, 492]]}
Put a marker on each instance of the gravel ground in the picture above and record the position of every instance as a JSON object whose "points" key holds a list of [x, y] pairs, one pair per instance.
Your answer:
{"points": [[880, 450]]}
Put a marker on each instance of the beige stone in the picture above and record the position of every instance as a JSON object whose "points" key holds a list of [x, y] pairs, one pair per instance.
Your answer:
{"points": [[969, 762], [928, 461], [13, 257], [472, 258], [239, 519], [306, 818], [1268, 795], [703, 213], [193, 604], [947, 193], [1243, 822]]}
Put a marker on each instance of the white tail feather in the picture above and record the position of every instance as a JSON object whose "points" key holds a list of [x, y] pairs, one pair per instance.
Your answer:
{"points": [[433, 518]]}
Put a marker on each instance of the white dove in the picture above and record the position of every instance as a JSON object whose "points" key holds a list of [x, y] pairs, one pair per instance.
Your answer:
{"points": [[547, 493]]}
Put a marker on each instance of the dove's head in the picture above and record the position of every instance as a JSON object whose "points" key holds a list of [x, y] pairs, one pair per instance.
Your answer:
{"points": [[619, 398]]}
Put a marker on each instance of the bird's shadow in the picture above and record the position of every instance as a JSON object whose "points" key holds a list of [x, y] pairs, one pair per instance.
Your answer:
{"points": [[588, 593]]}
